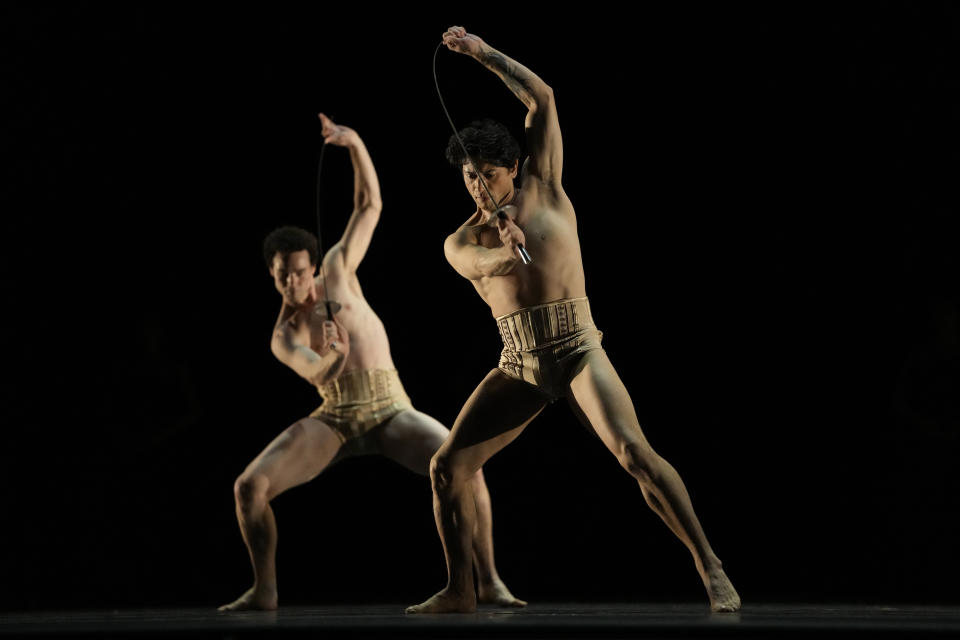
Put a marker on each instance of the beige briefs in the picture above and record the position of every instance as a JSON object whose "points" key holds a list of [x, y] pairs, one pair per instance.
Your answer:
{"points": [[358, 401], [543, 343]]}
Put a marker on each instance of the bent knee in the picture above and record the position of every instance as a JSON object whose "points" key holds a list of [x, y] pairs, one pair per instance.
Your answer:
{"points": [[641, 462], [447, 472], [250, 489]]}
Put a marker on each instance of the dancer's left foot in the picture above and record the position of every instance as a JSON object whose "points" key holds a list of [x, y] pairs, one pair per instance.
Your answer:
{"points": [[723, 597], [495, 592]]}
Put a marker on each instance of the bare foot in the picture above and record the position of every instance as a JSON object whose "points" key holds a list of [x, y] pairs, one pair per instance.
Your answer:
{"points": [[723, 597], [264, 600], [495, 592], [447, 602]]}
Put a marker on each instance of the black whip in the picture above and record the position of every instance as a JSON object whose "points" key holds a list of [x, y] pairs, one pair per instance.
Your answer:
{"points": [[323, 272]]}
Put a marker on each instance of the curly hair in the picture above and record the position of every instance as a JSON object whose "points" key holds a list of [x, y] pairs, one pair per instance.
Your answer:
{"points": [[486, 141], [286, 240]]}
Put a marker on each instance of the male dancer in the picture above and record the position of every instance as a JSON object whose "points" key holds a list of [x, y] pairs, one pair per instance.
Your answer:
{"points": [[551, 346], [365, 409]]}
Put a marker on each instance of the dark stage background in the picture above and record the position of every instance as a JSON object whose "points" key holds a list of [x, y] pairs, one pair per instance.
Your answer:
{"points": [[767, 208]]}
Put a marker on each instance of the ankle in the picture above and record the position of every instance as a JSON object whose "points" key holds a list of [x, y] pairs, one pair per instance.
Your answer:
{"points": [[487, 577], [461, 592], [709, 565], [265, 588]]}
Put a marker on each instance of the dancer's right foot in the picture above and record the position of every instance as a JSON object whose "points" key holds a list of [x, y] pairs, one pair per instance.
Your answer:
{"points": [[447, 601], [253, 600]]}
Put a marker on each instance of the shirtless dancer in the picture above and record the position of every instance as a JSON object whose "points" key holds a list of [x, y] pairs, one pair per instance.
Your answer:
{"points": [[365, 409], [551, 346]]}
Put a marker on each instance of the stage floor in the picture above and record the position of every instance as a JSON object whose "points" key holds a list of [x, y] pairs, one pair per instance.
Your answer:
{"points": [[556, 620]]}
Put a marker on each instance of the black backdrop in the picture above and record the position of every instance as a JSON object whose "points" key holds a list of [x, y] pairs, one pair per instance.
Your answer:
{"points": [[767, 212]]}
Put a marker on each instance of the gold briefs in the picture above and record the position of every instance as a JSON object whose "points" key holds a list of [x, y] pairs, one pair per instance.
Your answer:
{"points": [[542, 344], [358, 401]]}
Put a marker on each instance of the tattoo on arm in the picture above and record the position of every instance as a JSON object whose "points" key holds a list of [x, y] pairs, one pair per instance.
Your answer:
{"points": [[515, 76]]}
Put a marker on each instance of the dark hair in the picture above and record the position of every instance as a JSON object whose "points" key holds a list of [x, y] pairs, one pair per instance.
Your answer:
{"points": [[286, 240], [486, 141]]}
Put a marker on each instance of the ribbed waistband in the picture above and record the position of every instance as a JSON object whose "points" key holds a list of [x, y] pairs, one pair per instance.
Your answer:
{"points": [[361, 387], [544, 325]]}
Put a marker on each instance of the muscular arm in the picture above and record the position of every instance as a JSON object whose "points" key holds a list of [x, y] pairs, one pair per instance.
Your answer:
{"points": [[542, 126], [366, 194], [473, 261], [307, 363]]}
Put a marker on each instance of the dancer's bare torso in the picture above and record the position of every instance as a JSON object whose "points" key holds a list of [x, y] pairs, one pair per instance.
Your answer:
{"points": [[546, 216], [369, 346]]}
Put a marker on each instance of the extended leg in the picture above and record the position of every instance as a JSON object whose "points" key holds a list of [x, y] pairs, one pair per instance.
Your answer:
{"points": [[296, 456], [493, 416], [599, 397]]}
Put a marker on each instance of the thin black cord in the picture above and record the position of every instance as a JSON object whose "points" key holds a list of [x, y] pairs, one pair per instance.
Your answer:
{"points": [[323, 272], [456, 134]]}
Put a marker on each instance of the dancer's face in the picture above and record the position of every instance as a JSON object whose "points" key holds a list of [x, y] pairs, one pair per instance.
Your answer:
{"points": [[498, 179], [293, 275]]}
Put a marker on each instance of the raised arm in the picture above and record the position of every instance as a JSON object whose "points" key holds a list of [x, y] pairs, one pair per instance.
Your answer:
{"points": [[366, 194], [542, 127]]}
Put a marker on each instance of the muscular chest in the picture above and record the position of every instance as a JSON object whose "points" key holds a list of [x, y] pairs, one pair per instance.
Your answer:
{"points": [[344, 313], [538, 228], [549, 238]]}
